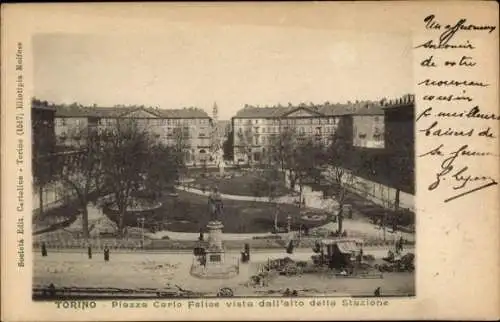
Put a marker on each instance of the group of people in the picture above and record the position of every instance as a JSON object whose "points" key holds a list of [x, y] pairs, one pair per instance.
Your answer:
{"points": [[44, 251], [289, 292]]}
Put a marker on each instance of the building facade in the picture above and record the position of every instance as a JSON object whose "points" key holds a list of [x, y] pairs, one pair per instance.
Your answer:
{"points": [[399, 134], [189, 127], [368, 130], [255, 129]]}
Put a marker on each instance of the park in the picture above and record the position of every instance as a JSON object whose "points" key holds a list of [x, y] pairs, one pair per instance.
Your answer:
{"points": [[177, 221], [142, 222]]}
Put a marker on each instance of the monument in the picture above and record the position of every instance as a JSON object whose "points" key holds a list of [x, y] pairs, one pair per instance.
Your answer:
{"points": [[215, 251], [212, 263]]}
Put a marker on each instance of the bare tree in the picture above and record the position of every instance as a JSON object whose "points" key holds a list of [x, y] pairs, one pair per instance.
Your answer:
{"points": [[267, 184], [282, 147], [44, 160], [81, 173], [337, 177], [340, 180], [162, 169], [181, 148], [126, 150], [304, 164], [245, 142]]}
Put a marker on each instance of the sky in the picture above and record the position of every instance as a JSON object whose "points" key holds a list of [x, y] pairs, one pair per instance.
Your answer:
{"points": [[231, 65]]}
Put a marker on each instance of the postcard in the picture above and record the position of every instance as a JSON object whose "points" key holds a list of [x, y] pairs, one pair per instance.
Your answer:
{"points": [[250, 161]]}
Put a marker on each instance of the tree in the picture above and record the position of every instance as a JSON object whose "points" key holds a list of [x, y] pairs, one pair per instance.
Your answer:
{"points": [[44, 161], [163, 169], [180, 150], [228, 146], [267, 184], [126, 156], [340, 180], [245, 142], [82, 174], [337, 177], [307, 157], [283, 147]]}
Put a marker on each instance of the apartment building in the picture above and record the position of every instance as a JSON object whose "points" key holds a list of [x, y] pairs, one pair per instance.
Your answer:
{"points": [[257, 128], [190, 127]]}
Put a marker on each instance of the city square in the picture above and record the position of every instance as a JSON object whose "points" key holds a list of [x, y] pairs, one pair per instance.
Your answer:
{"points": [[253, 200]]}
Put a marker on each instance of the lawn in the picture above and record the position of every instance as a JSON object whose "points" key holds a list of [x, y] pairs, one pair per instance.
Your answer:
{"points": [[189, 212], [242, 183]]}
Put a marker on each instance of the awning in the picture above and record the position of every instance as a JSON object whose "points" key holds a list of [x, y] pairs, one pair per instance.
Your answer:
{"points": [[344, 246], [347, 247]]}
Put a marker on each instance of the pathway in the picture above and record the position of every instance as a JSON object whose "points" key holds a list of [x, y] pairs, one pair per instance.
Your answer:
{"points": [[283, 199], [174, 235], [355, 227]]}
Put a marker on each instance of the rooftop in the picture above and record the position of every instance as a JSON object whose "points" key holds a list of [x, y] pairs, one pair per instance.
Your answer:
{"points": [[76, 110], [326, 109]]}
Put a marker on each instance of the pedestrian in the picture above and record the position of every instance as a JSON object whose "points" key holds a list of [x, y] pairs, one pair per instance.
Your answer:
{"points": [[52, 290], [397, 246], [290, 247], [89, 251], [377, 292], [247, 251], [44, 249], [401, 241], [201, 237], [106, 254]]}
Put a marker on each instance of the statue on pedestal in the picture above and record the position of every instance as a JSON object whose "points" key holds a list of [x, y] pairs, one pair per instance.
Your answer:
{"points": [[215, 205]]}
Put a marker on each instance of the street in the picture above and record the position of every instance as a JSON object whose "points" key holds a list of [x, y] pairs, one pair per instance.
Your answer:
{"points": [[158, 270]]}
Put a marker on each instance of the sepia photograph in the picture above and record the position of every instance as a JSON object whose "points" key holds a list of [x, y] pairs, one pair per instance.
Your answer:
{"points": [[250, 161], [225, 161]]}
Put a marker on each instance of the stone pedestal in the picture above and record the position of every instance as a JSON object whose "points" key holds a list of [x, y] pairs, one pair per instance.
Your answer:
{"points": [[216, 265], [215, 251]]}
